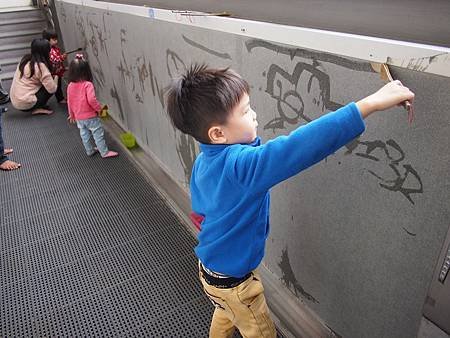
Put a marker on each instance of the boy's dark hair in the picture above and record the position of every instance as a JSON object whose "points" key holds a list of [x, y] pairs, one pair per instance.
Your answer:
{"points": [[48, 34], [79, 70], [203, 97], [40, 53]]}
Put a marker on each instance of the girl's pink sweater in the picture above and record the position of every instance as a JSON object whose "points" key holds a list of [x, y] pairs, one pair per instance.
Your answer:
{"points": [[81, 101]]}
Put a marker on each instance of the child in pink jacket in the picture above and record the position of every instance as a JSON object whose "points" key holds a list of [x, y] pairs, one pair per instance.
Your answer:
{"points": [[83, 108]]}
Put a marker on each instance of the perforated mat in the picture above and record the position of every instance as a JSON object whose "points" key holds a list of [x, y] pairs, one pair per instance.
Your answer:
{"points": [[88, 246]]}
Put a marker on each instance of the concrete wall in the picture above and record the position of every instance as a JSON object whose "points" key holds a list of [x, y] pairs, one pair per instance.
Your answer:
{"points": [[357, 236]]}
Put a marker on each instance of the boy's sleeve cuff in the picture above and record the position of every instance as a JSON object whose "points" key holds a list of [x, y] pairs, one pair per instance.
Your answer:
{"points": [[357, 118]]}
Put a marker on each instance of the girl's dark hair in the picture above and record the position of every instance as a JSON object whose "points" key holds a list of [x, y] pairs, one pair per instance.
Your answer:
{"points": [[79, 70], [203, 97], [49, 34], [40, 52]]}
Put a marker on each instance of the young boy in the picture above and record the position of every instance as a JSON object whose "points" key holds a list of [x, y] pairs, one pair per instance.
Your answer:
{"points": [[57, 60], [231, 178]]}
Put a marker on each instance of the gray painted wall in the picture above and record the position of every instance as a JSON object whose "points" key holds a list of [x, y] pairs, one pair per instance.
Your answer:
{"points": [[357, 236]]}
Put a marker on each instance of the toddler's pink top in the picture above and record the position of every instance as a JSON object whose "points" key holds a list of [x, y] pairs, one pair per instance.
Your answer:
{"points": [[81, 101]]}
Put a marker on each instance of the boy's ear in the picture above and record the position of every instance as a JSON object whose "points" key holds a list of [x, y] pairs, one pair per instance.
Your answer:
{"points": [[216, 135]]}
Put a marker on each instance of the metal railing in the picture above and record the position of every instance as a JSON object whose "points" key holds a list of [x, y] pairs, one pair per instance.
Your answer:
{"points": [[46, 7]]}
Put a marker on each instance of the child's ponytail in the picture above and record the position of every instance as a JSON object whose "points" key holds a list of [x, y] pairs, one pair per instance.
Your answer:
{"points": [[79, 70]]}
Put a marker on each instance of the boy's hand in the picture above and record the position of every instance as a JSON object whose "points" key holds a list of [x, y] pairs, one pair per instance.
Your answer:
{"points": [[390, 95], [70, 119], [64, 56]]}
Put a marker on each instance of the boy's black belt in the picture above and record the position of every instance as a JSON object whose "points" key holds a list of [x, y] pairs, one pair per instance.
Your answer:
{"points": [[222, 282]]}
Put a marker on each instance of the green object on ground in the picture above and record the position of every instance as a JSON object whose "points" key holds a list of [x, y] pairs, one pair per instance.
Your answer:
{"points": [[128, 140]]}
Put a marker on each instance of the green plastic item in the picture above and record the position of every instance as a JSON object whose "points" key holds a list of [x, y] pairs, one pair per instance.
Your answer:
{"points": [[128, 140]]}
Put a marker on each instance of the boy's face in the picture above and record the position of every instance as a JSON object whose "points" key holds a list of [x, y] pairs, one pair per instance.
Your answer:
{"points": [[241, 124], [53, 41]]}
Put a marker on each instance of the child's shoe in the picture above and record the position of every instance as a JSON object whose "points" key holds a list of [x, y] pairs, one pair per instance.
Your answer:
{"points": [[42, 111], [95, 151], [111, 154]]}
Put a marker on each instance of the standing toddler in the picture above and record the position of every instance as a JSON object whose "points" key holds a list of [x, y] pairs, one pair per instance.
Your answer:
{"points": [[83, 107], [57, 60]]}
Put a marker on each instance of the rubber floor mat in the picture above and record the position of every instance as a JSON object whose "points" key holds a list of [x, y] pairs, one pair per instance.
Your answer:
{"points": [[88, 246]]}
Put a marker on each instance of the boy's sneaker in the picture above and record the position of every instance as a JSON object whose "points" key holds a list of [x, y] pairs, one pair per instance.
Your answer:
{"points": [[111, 154]]}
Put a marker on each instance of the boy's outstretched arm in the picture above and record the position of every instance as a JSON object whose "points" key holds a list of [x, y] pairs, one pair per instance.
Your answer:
{"points": [[393, 93], [263, 167]]}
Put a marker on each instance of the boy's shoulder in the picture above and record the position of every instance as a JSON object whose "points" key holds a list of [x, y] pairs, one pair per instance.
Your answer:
{"points": [[226, 150], [222, 155]]}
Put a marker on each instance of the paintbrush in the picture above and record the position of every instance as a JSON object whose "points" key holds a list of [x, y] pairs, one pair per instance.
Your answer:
{"points": [[75, 50], [383, 70], [189, 13]]}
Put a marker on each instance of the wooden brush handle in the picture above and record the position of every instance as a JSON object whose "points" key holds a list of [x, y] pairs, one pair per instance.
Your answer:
{"points": [[387, 76], [73, 51]]}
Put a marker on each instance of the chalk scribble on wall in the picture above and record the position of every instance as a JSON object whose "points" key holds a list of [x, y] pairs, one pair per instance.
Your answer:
{"points": [[304, 94], [290, 280]]}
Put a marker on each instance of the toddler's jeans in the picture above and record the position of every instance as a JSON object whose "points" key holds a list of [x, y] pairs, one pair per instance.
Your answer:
{"points": [[93, 127]]}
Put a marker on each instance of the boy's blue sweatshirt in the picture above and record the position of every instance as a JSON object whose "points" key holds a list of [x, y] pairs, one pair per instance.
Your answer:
{"points": [[230, 187]]}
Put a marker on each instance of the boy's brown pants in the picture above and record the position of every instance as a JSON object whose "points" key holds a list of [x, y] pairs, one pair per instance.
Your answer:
{"points": [[243, 306]]}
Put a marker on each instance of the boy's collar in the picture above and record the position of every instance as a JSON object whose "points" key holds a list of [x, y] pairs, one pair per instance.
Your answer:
{"points": [[212, 149]]}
